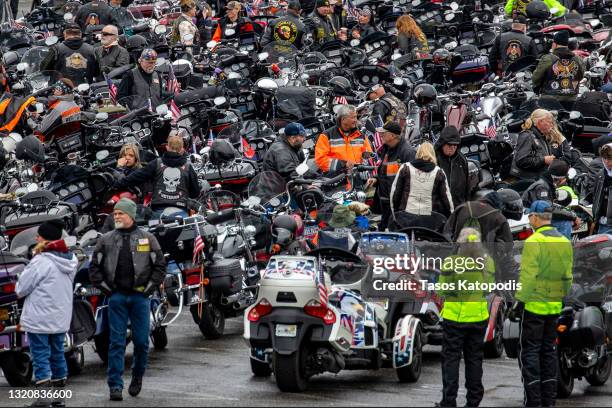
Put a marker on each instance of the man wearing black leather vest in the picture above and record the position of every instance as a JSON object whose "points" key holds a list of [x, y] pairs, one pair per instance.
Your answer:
{"points": [[559, 73], [602, 199], [73, 58], [287, 28], [174, 179], [388, 106], [511, 46], [142, 83]]}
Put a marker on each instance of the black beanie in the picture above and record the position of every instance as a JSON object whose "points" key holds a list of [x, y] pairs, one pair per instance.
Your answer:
{"points": [[51, 230], [558, 168], [561, 38]]}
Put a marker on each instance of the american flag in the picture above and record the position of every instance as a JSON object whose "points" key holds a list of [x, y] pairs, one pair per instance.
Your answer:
{"points": [[112, 89], [322, 287], [351, 9], [378, 142], [491, 130], [176, 112], [340, 100], [173, 85], [247, 150], [198, 246]]}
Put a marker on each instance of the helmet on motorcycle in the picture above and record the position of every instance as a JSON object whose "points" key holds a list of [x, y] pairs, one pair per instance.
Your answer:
{"points": [[30, 148], [441, 56], [284, 228], [538, 10], [136, 43], [512, 204], [424, 94], [563, 198], [221, 152], [340, 85]]}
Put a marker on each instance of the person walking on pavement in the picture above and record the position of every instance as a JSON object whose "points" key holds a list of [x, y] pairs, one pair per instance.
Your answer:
{"points": [[465, 315], [46, 285], [454, 163], [545, 279], [128, 265]]}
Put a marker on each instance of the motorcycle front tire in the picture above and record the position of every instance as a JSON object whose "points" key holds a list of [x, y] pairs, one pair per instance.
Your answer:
{"points": [[75, 361], [159, 338]]}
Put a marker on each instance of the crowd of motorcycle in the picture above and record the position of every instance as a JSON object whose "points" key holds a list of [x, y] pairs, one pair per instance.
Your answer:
{"points": [[256, 245]]}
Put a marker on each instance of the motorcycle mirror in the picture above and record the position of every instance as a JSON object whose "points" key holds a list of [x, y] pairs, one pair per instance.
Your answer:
{"points": [[51, 40], [355, 42], [398, 81], [160, 29], [161, 110], [454, 6], [263, 56], [554, 10], [230, 32], [575, 115], [22, 66], [68, 17], [219, 100], [302, 169], [10, 58], [101, 116], [211, 44], [416, 3], [572, 173], [267, 84], [449, 17], [102, 155], [595, 22], [82, 88]]}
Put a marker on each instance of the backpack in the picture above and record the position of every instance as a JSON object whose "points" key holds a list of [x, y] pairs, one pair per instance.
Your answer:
{"points": [[474, 221]]}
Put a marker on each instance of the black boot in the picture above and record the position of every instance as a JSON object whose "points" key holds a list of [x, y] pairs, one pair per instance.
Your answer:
{"points": [[43, 400], [135, 386], [59, 393]]}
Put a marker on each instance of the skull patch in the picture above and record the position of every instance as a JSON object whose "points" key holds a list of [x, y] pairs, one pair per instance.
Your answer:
{"points": [[172, 177]]}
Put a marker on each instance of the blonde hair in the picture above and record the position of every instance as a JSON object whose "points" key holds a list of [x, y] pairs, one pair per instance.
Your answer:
{"points": [[426, 152], [135, 150], [554, 136], [40, 247], [406, 25], [175, 143]]}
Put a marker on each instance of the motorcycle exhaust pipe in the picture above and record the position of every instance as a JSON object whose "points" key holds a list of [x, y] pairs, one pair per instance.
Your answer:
{"points": [[243, 303], [230, 299], [588, 358]]}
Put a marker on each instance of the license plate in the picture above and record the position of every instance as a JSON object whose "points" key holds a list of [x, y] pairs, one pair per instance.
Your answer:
{"points": [[286, 330], [4, 314]]}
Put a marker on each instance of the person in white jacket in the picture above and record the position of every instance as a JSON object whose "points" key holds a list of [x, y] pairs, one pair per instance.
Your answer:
{"points": [[46, 284]]}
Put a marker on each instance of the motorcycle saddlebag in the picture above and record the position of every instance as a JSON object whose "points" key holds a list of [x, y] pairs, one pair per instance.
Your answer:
{"points": [[471, 70], [83, 324], [226, 276], [510, 337], [588, 328]]}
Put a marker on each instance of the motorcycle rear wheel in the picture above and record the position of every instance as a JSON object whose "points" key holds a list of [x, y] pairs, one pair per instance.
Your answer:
{"points": [[212, 323], [17, 369], [289, 372], [601, 373], [495, 347]]}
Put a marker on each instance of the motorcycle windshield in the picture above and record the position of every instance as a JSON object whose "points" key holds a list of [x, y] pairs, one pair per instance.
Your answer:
{"points": [[127, 17], [282, 54], [23, 242], [269, 187], [43, 79], [14, 39], [33, 57]]}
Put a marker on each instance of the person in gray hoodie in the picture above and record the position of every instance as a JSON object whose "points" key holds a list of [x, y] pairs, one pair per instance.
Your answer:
{"points": [[46, 284]]}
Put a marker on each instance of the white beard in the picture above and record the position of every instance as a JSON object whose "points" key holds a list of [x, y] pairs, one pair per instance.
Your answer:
{"points": [[118, 225]]}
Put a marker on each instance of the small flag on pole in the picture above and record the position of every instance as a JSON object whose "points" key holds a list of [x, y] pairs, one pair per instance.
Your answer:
{"points": [[112, 90], [491, 130], [322, 288], [211, 138], [198, 246], [340, 100], [247, 150], [378, 142]]}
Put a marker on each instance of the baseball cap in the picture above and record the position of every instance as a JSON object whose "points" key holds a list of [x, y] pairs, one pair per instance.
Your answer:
{"points": [[561, 38], [520, 19], [558, 168], [232, 5], [391, 127], [322, 3], [149, 54], [294, 128], [72, 27], [540, 207]]}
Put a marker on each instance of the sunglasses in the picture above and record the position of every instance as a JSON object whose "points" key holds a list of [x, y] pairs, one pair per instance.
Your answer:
{"points": [[107, 34]]}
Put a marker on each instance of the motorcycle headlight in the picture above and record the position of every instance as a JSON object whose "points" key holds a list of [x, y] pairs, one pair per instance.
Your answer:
{"points": [[233, 100], [482, 147], [465, 150], [260, 145], [473, 148]]}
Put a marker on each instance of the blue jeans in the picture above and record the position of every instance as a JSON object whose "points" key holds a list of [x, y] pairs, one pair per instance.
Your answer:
{"points": [[136, 308], [604, 229], [564, 227], [48, 356]]}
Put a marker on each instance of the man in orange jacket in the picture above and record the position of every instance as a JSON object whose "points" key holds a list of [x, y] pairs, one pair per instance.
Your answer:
{"points": [[341, 147]]}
